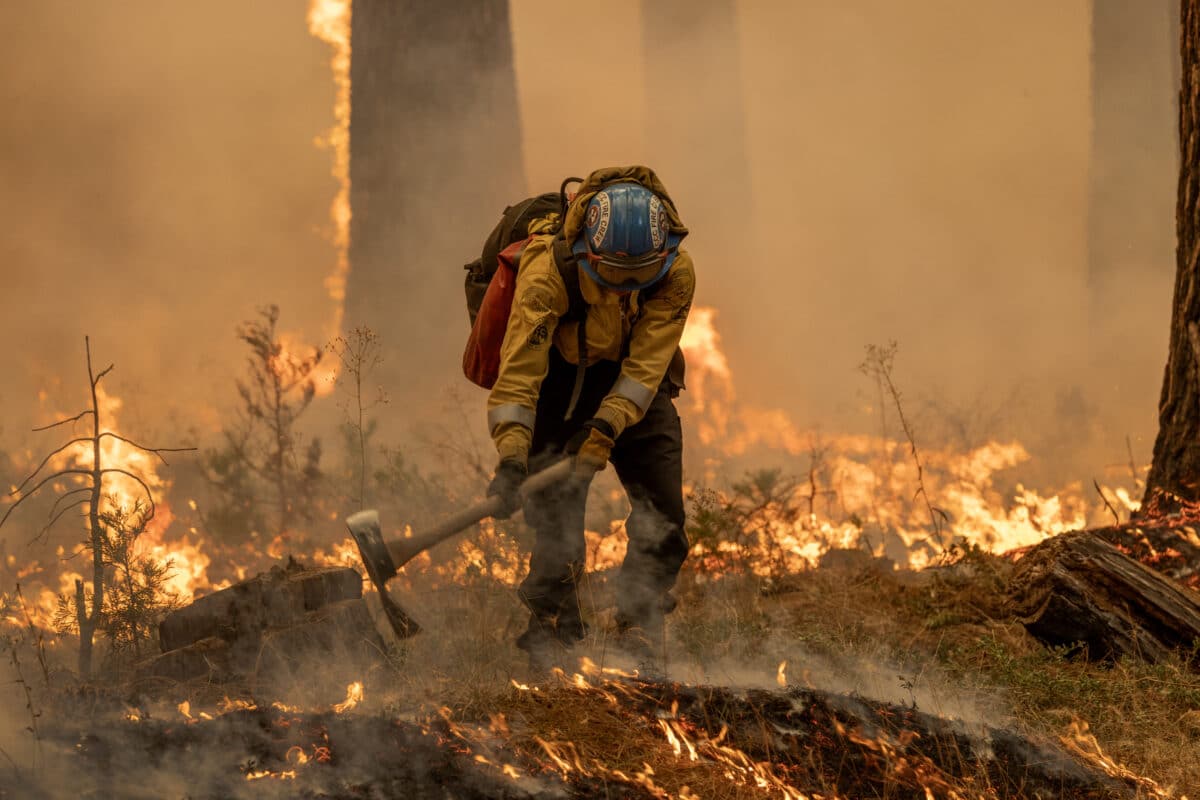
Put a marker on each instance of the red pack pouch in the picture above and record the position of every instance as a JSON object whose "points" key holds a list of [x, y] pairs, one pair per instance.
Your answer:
{"points": [[481, 359]]}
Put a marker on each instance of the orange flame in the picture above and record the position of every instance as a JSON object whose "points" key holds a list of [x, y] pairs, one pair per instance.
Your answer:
{"points": [[329, 21]]}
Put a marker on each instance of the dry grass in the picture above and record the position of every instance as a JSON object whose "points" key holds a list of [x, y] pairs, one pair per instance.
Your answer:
{"points": [[938, 640]]}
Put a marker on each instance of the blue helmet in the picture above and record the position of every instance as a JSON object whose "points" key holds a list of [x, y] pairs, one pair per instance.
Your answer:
{"points": [[626, 243]]}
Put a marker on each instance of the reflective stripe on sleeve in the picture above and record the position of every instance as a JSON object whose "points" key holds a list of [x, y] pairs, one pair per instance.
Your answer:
{"points": [[633, 391], [511, 412]]}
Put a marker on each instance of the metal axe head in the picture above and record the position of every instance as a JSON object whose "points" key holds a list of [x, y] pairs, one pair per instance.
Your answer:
{"points": [[365, 530]]}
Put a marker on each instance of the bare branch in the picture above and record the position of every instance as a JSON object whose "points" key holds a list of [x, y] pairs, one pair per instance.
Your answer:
{"points": [[158, 451], [65, 495], [46, 528], [1108, 505], [103, 372], [40, 484], [46, 460], [75, 418], [142, 483]]}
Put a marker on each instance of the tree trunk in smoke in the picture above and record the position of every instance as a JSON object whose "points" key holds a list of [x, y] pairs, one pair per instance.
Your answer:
{"points": [[1134, 75], [435, 157], [696, 141], [1175, 469]]}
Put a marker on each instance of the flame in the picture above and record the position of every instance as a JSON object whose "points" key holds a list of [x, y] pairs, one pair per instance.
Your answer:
{"points": [[1080, 741], [710, 380], [293, 347], [329, 21], [117, 453], [354, 696], [860, 487]]}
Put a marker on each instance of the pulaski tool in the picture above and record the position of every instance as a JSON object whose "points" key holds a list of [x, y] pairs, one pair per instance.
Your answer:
{"points": [[384, 558]]}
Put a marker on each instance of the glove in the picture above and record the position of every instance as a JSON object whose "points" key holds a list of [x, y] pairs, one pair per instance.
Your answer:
{"points": [[591, 447], [506, 485]]}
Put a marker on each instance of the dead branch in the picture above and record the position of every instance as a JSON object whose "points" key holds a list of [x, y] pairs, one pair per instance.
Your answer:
{"points": [[157, 451], [1108, 505], [75, 418], [142, 483], [46, 460], [37, 637], [65, 495], [55, 518], [35, 489]]}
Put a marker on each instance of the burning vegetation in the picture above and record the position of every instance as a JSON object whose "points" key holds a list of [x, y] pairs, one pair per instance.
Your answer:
{"points": [[861, 614], [869, 632]]}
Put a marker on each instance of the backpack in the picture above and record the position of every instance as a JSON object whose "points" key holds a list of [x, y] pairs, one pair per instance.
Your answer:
{"points": [[491, 281]]}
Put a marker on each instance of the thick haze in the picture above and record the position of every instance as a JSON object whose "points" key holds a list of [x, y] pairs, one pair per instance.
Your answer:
{"points": [[915, 171]]}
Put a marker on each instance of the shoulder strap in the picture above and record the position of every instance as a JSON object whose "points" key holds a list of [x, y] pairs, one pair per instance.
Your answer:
{"points": [[568, 269], [577, 308]]}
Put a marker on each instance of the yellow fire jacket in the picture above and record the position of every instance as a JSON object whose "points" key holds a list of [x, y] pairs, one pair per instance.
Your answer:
{"points": [[649, 326]]}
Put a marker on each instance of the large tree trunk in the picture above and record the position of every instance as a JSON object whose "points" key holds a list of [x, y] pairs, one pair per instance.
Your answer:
{"points": [[435, 157], [1176, 465]]}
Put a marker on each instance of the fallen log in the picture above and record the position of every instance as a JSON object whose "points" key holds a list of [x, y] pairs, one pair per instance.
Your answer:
{"points": [[1173, 550], [272, 628], [1077, 589], [281, 596]]}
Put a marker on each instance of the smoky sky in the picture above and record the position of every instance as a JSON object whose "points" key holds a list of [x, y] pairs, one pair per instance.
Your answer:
{"points": [[852, 173]]}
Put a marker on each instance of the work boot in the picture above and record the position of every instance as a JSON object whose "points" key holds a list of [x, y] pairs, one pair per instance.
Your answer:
{"points": [[570, 628], [541, 643]]}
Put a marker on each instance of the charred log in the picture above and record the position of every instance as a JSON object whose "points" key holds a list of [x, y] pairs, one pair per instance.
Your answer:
{"points": [[1077, 589], [1172, 549], [275, 598], [270, 629]]}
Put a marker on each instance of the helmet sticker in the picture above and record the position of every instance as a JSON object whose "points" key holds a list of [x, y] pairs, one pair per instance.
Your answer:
{"points": [[603, 205], [658, 223], [593, 215]]}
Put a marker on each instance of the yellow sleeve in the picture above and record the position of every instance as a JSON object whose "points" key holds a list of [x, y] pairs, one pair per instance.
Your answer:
{"points": [[652, 344], [540, 298]]}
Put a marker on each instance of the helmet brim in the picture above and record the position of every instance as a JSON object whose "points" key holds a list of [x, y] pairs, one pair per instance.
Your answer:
{"points": [[626, 274]]}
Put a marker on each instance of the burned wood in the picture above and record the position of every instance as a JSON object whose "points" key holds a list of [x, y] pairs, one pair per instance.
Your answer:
{"points": [[1078, 589], [270, 629], [1172, 549], [276, 598]]}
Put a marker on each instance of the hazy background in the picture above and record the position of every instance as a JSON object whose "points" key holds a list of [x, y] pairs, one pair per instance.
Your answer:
{"points": [[852, 173]]}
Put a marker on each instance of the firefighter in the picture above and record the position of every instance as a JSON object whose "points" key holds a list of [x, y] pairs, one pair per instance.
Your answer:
{"points": [[599, 387]]}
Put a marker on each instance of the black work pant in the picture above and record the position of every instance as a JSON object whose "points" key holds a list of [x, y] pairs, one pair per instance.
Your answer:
{"points": [[648, 458]]}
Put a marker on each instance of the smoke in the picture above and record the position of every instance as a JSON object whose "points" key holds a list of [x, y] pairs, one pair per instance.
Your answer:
{"points": [[160, 184], [917, 173], [852, 174]]}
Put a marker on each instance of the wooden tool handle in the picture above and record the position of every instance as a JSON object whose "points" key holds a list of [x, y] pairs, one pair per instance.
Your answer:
{"points": [[402, 550]]}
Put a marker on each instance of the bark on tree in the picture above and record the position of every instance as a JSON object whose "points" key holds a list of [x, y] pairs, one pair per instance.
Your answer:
{"points": [[1175, 470], [435, 157], [1077, 588]]}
